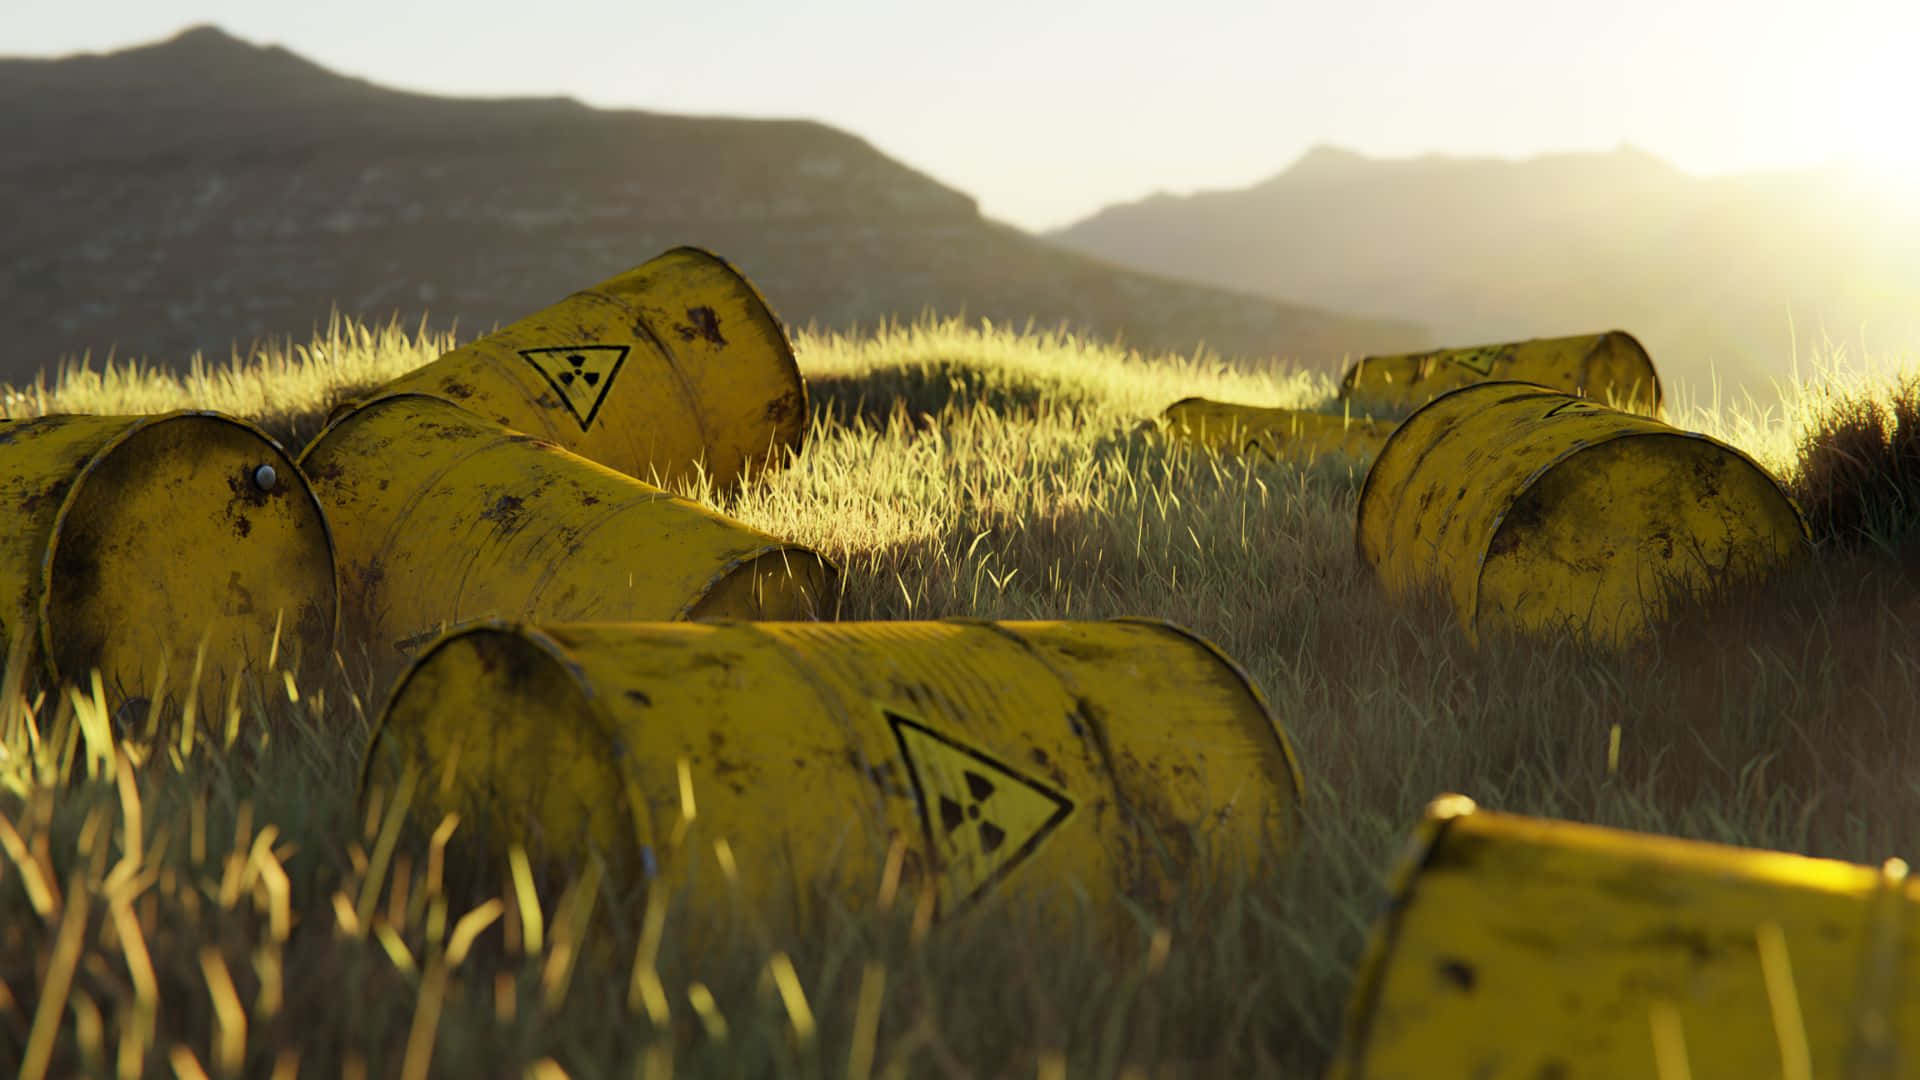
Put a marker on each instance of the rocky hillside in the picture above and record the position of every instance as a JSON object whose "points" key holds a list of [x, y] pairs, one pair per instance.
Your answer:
{"points": [[205, 191], [1704, 271]]}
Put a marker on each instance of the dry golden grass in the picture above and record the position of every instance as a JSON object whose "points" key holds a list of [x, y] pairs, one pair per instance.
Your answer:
{"points": [[226, 907]]}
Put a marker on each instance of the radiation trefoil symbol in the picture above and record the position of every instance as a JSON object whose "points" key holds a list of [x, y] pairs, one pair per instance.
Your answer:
{"points": [[580, 374], [981, 818]]}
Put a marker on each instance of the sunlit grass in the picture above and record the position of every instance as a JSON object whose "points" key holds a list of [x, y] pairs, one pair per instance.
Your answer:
{"points": [[182, 904]]}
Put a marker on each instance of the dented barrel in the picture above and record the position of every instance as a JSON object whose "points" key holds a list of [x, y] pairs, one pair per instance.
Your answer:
{"points": [[1280, 434], [128, 541], [442, 516], [674, 362], [1535, 510], [1611, 368], [1515, 948], [1033, 759]]}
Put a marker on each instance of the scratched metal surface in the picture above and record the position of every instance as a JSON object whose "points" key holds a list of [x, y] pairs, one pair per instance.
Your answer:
{"points": [[1541, 511], [124, 540], [1519, 948], [1610, 367], [676, 362], [1004, 759]]}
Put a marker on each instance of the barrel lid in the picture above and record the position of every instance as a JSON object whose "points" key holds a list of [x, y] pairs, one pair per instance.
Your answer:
{"points": [[184, 523]]}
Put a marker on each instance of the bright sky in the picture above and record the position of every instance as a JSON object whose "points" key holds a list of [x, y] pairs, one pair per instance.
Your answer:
{"points": [[1046, 110]]}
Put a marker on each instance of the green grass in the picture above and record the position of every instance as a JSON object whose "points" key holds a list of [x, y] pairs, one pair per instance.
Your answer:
{"points": [[952, 471]]}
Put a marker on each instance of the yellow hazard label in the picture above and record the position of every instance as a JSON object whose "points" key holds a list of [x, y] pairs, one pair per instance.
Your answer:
{"points": [[580, 374], [981, 817]]}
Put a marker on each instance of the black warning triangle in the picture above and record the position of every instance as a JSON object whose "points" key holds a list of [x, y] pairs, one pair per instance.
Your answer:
{"points": [[981, 817], [580, 374], [1479, 361]]}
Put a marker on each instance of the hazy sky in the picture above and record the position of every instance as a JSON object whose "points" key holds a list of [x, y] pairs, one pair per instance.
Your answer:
{"points": [[1048, 109]]}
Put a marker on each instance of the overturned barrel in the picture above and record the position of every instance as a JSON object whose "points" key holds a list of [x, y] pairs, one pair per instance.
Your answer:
{"points": [[1611, 368], [674, 362], [1536, 510], [1280, 434], [1515, 948], [126, 542], [1036, 759], [442, 516]]}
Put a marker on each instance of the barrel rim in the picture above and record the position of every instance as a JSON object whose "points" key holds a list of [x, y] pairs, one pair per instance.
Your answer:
{"points": [[120, 438], [1369, 982], [1399, 435], [350, 410], [831, 576], [789, 362], [1253, 689], [1657, 408], [550, 650], [1572, 451]]}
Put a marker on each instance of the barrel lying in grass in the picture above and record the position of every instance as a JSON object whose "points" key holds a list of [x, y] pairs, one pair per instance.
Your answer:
{"points": [[1035, 759], [674, 362], [1516, 948], [1280, 434], [1611, 368], [1539, 511], [129, 543], [442, 516]]}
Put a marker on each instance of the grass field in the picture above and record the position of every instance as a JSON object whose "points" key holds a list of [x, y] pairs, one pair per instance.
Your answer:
{"points": [[226, 908]]}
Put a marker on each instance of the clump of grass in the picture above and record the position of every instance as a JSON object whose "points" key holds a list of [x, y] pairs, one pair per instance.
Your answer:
{"points": [[1858, 476], [953, 471]]}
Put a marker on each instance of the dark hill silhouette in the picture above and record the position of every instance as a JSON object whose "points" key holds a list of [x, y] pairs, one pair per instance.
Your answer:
{"points": [[1483, 249], [185, 195]]}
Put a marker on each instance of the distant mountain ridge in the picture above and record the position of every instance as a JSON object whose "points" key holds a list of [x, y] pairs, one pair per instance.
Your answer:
{"points": [[203, 190], [1486, 249]]}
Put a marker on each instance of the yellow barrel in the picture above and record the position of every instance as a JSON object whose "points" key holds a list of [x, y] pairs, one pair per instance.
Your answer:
{"points": [[1280, 434], [1014, 758], [1538, 510], [676, 361], [442, 516], [127, 540], [1516, 948], [1611, 368]]}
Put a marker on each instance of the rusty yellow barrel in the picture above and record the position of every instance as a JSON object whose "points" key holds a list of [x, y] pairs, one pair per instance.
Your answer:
{"points": [[1516, 948], [1536, 510], [1611, 368], [676, 361], [1280, 434], [1030, 759], [125, 541], [441, 515]]}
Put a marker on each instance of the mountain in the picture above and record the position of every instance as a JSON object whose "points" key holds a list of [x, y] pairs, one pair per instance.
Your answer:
{"points": [[1706, 272], [203, 191]]}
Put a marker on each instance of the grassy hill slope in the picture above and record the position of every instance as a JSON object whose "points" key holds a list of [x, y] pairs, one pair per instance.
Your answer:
{"points": [[182, 196], [953, 471]]}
